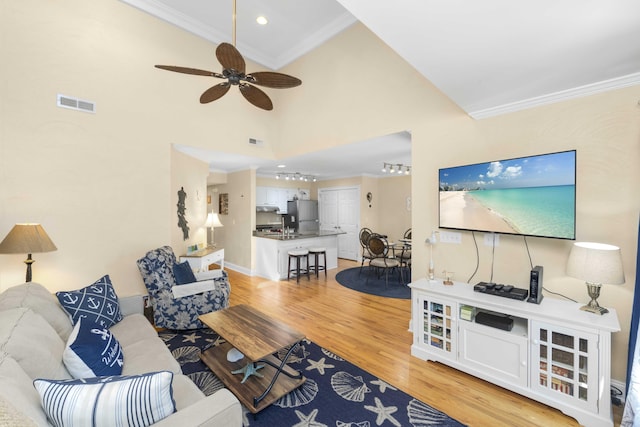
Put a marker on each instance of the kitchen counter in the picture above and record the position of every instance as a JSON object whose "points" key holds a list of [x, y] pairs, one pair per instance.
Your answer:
{"points": [[272, 251], [295, 236]]}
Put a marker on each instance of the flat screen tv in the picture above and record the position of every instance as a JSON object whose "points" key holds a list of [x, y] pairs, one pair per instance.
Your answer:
{"points": [[530, 196]]}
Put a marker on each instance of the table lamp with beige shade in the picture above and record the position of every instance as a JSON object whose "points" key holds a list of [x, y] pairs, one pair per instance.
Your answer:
{"points": [[27, 239], [596, 264], [213, 221]]}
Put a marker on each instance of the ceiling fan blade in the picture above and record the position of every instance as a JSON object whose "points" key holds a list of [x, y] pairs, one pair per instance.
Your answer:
{"points": [[214, 92], [187, 70], [274, 80], [256, 96], [230, 58]]}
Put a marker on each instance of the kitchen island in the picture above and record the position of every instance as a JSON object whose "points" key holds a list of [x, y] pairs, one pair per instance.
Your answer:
{"points": [[272, 250]]}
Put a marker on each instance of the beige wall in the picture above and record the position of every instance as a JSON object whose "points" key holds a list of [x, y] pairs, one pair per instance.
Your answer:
{"points": [[189, 174], [236, 235], [394, 215], [605, 130], [101, 184]]}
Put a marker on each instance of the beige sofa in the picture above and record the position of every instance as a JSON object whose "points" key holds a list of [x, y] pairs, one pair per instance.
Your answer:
{"points": [[33, 331]]}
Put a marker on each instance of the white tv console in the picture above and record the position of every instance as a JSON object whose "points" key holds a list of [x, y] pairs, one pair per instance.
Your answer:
{"points": [[555, 353]]}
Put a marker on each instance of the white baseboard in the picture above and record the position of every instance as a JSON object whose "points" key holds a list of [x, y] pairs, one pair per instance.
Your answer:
{"points": [[245, 271]]}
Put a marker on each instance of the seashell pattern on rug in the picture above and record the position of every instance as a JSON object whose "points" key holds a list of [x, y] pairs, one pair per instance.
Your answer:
{"points": [[186, 354], [349, 387], [340, 394], [422, 415], [299, 353], [300, 396], [206, 381], [332, 355]]}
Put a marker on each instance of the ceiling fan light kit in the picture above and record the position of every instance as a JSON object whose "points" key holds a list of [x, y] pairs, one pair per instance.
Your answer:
{"points": [[233, 70]]}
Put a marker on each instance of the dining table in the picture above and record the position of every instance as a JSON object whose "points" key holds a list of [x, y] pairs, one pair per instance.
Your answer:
{"points": [[398, 247]]}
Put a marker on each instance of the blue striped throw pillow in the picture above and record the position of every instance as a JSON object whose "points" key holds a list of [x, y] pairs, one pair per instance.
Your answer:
{"points": [[134, 400]]}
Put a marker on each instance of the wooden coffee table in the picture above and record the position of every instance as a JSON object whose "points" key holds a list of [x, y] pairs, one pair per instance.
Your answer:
{"points": [[258, 337]]}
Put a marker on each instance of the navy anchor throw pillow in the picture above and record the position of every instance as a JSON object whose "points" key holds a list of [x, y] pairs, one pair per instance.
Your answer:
{"points": [[97, 302]]}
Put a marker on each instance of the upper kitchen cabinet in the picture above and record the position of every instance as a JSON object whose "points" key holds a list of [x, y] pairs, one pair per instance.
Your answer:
{"points": [[267, 196], [278, 197]]}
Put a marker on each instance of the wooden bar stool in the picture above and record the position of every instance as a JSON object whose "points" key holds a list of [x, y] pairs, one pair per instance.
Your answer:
{"points": [[316, 252], [298, 254]]}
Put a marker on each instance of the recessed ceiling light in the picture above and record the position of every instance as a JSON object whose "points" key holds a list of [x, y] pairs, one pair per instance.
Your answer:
{"points": [[261, 20], [282, 166]]}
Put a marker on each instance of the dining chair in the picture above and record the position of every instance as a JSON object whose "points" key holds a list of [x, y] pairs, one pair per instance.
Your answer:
{"points": [[407, 234], [405, 254], [379, 248], [365, 233]]}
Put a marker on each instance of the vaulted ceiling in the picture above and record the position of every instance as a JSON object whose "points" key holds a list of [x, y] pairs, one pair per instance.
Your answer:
{"points": [[489, 57]]}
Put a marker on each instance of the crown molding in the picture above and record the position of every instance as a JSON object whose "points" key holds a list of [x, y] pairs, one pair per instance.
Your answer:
{"points": [[578, 92], [187, 23]]}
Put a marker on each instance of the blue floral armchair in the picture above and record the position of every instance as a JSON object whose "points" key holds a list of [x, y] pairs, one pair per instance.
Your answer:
{"points": [[170, 310]]}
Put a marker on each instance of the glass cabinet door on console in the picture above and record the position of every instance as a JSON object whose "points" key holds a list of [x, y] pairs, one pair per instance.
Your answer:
{"points": [[438, 326], [566, 362]]}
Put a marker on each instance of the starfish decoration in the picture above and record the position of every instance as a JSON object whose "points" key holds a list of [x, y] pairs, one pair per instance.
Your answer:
{"points": [[383, 386], [384, 413], [249, 369], [190, 338], [360, 424], [308, 421], [319, 365]]}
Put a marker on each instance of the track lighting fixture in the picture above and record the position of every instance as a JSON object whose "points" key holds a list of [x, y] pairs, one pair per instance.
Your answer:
{"points": [[396, 168], [296, 177]]}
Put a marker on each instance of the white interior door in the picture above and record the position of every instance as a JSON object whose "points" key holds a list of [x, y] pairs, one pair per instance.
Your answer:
{"points": [[340, 210], [328, 210]]}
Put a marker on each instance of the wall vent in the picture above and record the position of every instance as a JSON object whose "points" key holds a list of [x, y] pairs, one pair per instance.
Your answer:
{"points": [[65, 101], [256, 142]]}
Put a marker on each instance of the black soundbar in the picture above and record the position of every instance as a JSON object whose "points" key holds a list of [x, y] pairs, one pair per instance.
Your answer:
{"points": [[506, 291], [495, 320]]}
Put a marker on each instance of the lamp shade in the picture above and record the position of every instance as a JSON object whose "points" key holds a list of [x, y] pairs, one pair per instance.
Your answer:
{"points": [[213, 221], [26, 239], [596, 263]]}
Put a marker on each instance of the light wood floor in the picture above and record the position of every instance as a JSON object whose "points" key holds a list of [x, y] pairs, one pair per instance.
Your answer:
{"points": [[372, 332]]}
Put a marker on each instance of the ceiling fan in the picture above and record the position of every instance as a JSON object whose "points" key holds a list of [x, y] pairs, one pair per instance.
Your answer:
{"points": [[233, 70]]}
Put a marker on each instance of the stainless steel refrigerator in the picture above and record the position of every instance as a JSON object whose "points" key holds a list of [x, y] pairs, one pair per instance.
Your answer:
{"points": [[302, 216]]}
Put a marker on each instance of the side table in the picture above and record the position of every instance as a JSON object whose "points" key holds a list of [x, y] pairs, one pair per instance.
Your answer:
{"points": [[200, 260]]}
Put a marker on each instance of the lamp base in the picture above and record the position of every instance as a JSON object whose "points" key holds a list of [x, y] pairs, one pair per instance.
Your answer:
{"points": [[29, 261], [593, 307], [597, 310]]}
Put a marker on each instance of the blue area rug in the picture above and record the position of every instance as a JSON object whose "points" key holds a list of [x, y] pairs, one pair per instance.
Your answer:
{"points": [[370, 282], [336, 393]]}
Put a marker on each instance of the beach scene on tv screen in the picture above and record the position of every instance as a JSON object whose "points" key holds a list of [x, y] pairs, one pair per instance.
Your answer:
{"points": [[534, 196]]}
